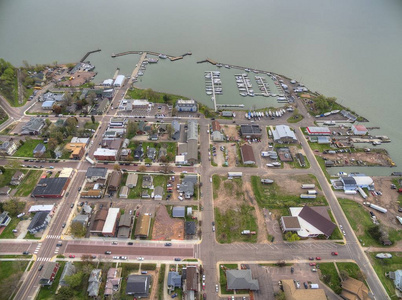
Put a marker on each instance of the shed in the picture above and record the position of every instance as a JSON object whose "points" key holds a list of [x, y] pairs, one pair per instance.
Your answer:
{"points": [[359, 129], [178, 212]]}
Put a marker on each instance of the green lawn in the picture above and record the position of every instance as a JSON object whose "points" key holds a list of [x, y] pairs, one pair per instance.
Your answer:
{"points": [[295, 163], [382, 266], [26, 150], [8, 232], [5, 178], [336, 235], [135, 193], [329, 275], [271, 196], [216, 182], [295, 118], [48, 292], [127, 269], [31, 236], [8, 269], [28, 183], [90, 125], [352, 269], [321, 162], [360, 221], [231, 223], [156, 97]]}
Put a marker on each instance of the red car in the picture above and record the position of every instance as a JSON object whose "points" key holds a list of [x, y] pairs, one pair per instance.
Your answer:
{"points": [[334, 253], [312, 264], [71, 256], [318, 258]]}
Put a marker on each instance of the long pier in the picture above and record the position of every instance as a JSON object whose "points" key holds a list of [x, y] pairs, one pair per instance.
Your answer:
{"points": [[88, 53], [171, 57], [212, 62]]}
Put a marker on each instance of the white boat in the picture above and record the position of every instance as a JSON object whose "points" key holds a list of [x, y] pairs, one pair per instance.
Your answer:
{"points": [[153, 60], [219, 65], [234, 115], [227, 66], [384, 255], [277, 114], [243, 94], [163, 56], [247, 70], [341, 174], [209, 93], [375, 143], [266, 114], [276, 164], [270, 165], [270, 113], [140, 74]]}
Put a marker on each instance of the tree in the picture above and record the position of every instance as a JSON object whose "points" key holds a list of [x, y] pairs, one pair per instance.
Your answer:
{"points": [[14, 206], [93, 119], [166, 168], [343, 274], [291, 237], [48, 122], [116, 167], [78, 229], [166, 98], [2, 169], [142, 168], [75, 280], [91, 97], [65, 293], [57, 109], [68, 99], [52, 144], [132, 128], [375, 232]]}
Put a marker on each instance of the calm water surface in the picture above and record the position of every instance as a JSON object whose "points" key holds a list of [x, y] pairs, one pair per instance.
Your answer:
{"points": [[347, 49]]}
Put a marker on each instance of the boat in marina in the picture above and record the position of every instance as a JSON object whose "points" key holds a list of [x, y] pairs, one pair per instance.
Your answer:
{"points": [[276, 164], [163, 56], [243, 94], [227, 66], [247, 70], [219, 65], [153, 60], [140, 73]]}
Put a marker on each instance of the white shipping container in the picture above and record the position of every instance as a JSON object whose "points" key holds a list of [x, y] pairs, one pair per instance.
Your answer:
{"points": [[312, 192], [308, 186]]}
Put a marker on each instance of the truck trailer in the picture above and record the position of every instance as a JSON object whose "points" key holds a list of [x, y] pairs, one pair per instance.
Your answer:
{"points": [[379, 208], [308, 186], [307, 196]]}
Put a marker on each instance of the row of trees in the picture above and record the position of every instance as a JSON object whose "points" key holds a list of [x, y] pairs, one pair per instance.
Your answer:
{"points": [[8, 80]]}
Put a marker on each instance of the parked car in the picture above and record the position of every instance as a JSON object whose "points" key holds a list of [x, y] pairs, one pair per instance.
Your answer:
{"points": [[40, 268], [174, 295], [168, 244], [177, 259], [71, 256], [305, 285], [130, 243], [140, 258], [64, 225], [108, 252], [318, 258], [25, 253], [311, 258], [334, 253], [313, 264], [72, 205]]}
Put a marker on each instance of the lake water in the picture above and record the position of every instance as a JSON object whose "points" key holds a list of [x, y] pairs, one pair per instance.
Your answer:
{"points": [[347, 49]]}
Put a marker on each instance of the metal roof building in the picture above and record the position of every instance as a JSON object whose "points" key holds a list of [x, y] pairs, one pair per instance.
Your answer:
{"points": [[311, 130], [109, 229], [241, 280], [119, 80], [178, 212], [283, 134]]}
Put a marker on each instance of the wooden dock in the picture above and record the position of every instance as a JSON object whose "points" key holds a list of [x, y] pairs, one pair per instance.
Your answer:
{"points": [[137, 68], [88, 53], [116, 74], [171, 57]]}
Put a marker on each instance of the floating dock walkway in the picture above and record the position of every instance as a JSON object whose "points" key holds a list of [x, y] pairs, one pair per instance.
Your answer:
{"points": [[171, 57], [88, 53]]}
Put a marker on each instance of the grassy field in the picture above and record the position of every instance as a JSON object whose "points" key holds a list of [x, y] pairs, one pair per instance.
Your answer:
{"points": [[382, 266], [329, 275], [26, 150], [295, 163], [90, 125], [216, 182], [352, 269], [272, 197], [360, 221], [336, 234], [321, 162], [230, 224], [8, 232], [5, 178], [135, 193], [161, 180], [153, 96], [295, 118], [14, 270], [28, 183], [127, 269]]}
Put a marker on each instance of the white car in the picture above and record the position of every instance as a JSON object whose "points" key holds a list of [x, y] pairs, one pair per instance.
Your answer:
{"points": [[140, 258], [115, 257], [217, 288], [343, 231]]}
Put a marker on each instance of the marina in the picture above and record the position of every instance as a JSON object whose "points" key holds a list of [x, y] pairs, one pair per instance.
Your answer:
{"points": [[213, 85], [160, 55]]}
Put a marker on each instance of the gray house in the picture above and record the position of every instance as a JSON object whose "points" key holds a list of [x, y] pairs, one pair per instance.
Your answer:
{"points": [[69, 269], [95, 280], [40, 149], [175, 130], [241, 280], [178, 212], [33, 126], [397, 277], [158, 193], [151, 153], [147, 181], [39, 222], [138, 285], [174, 280]]}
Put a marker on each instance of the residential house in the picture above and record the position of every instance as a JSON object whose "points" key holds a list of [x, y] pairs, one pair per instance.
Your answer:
{"points": [[250, 131], [175, 130], [125, 224], [174, 280], [162, 152], [353, 289], [191, 282], [39, 150], [132, 180], [145, 194], [17, 177], [114, 181], [48, 274], [118, 122], [247, 154], [138, 152], [94, 282], [33, 126], [4, 219], [82, 219], [124, 154], [241, 280], [217, 135], [102, 106], [158, 193], [113, 280], [123, 193], [190, 228], [69, 269], [86, 209], [8, 147], [153, 137], [312, 130], [397, 278], [186, 105], [57, 97], [77, 150], [5, 190], [147, 181], [39, 222], [95, 173], [112, 143], [138, 285], [143, 226], [99, 221], [151, 153], [283, 134], [187, 185]]}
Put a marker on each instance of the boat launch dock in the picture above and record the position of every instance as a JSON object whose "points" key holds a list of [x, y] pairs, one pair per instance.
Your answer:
{"points": [[171, 57]]}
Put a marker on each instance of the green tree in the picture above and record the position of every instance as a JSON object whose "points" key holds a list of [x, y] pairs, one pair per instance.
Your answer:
{"points": [[93, 119], [14, 206], [375, 232], [75, 280], [2, 169], [291, 237], [77, 229], [65, 293], [56, 109], [166, 98], [132, 128]]}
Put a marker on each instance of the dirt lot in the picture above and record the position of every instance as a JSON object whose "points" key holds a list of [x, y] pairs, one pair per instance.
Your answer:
{"points": [[78, 79], [219, 159], [231, 132], [167, 228], [359, 158]]}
